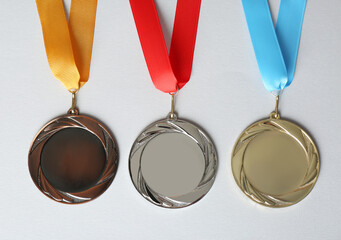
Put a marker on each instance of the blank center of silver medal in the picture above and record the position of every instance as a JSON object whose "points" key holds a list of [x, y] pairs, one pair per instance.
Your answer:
{"points": [[173, 163]]}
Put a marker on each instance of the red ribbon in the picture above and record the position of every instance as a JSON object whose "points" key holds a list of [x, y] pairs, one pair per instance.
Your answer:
{"points": [[168, 72]]}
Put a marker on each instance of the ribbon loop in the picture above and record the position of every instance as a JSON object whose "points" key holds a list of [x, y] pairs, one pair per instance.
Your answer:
{"points": [[68, 46], [275, 49], [169, 72]]}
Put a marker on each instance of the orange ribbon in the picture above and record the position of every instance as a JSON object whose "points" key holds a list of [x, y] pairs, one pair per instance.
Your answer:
{"points": [[68, 46]]}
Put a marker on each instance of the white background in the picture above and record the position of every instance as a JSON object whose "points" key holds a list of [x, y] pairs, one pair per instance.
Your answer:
{"points": [[225, 95]]}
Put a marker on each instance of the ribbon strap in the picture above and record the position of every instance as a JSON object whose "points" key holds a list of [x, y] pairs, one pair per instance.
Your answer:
{"points": [[68, 46], [168, 72], [275, 49]]}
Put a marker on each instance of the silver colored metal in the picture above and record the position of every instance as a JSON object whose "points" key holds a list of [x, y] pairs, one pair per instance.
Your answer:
{"points": [[172, 114], [173, 163]]}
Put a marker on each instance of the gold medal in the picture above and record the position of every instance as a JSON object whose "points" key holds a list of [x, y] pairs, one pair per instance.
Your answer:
{"points": [[275, 162]]}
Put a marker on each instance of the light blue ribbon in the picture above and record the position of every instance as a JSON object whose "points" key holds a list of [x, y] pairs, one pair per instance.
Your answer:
{"points": [[275, 49]]}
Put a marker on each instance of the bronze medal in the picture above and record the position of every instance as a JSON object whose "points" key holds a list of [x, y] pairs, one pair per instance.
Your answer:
{"points": [[73, 159]]}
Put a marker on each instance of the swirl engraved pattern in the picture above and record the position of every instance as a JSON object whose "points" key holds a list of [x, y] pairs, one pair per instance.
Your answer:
{"points": [[73, 121], [292, 130], [191, 131]]}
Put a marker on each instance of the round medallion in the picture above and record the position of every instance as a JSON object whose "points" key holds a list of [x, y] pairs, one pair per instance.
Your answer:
{"points": [[73, 159], [275, 163], [173, 163]]}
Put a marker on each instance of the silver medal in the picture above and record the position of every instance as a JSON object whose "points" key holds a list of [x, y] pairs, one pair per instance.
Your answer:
{"points": [[173, 163]]}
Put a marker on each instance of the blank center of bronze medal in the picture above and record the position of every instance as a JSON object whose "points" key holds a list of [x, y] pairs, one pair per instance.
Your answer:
{"points": [[172, 164], [73, 160], [275, 163]]}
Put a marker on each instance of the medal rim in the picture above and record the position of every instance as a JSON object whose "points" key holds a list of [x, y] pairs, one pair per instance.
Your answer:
{"points": [[212, 160], [277, 204], [108, 174]]}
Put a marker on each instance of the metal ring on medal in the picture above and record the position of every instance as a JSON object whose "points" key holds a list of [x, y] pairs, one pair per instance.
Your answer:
{"points": [[275, 163], [173, 163], [73, 159]]}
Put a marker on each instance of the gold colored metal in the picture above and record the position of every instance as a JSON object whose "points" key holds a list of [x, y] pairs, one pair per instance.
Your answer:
{"points": [[275, 162], [73, 110], [275, 114]]}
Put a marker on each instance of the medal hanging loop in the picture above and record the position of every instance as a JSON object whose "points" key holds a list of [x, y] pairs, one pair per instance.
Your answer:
{"points": [[73, 110], [275, 48], [68, 45], [275, 114], [172, 115], [168, 71]]}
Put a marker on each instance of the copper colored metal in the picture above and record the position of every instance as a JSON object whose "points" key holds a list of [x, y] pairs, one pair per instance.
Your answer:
{"points": [[73, 159]]}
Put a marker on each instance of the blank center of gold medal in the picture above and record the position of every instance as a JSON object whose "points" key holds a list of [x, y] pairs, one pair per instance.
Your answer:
{"points": [[172, 164], [275, 163], [73, 160]]}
